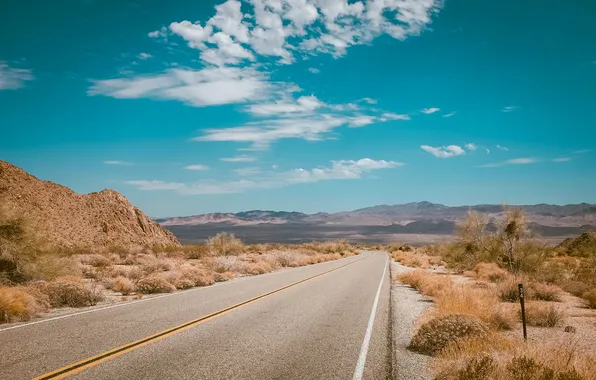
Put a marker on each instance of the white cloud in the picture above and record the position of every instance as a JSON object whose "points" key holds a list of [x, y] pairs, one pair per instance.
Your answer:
{"points": [[229, 18], [227, 52], [369, 100], [197, 167], [209, 86], [161, 32], [444, 151], [304, 104], [239, 159], [561, 159], [509, 109], [12, 78], [314, 70], [156, 185], [450, 114], [114, 162], [487, 150], [394, 116], [428, 111], [339, 170], [514, 161], [582, 151], [144, 56], [502, 148], [471, 146], [247, 171]]}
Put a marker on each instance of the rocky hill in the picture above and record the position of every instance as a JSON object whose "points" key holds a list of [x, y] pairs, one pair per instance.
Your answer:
{"points": [[66, 218]]}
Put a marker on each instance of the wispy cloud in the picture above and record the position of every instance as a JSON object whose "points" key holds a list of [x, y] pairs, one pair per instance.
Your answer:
{"points": [[509, 109], [561, 159], [196, 167], [514, 161], [471, 146], [338, 170], [314, 70], [502, 148], [582, 151], [369, 100], [444, 151], [450, 114], [247, 171], [428, 111], [239, 159], [12, 78], [115, 162]]}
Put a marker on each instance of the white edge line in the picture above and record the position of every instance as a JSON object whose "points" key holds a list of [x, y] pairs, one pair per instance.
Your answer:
{"points": [[359, 371], [150, 299]]}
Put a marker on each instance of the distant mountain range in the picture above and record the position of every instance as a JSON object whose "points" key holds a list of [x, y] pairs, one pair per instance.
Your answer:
{"points": [[410, 218]]}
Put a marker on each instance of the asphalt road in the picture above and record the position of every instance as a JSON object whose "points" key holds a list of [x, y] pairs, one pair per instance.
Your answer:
{"points": [[320, 328]]}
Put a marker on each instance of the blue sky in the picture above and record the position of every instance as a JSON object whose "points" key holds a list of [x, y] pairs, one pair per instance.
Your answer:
{"points": [[310, 105]]}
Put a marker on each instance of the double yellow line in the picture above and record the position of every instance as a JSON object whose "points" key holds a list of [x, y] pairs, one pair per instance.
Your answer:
{"points": [[92, 361]]}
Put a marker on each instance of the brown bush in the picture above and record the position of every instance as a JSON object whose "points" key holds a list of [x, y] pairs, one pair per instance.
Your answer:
{"points": [[543, 314], [260, 267], [477, 302], [199, 277], [123, 285], [154, 284], [589, 298], [489, 272], [69, 291], [577, 288], [224, 244], [437, 333], [17, 304], [543, 292], [508, 289], [195, 251], [225, 276]]}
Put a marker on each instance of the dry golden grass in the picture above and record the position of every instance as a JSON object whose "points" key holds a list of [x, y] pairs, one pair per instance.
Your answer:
{"points": [[544, 292], [488, 272], [544, 314], [224, 244], [589, 298], [499, 358], [154, 284], [18, 304], [415, 258], [123, 285], [69, 291]]}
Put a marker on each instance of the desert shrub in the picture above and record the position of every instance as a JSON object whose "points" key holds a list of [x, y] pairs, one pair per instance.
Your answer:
{"points": [[528, 368], [287, 258], [222, 264], [508, 290], [123, 285], [225, 276], [543, 292], [543, 314], [489, 272], [69, 291], [437, 333], [95, 260], [589, 298], [414, 278], [224, 244], [481, 366], [477, 302], [154, 284], [260, 267], [17, 304], [195, 251], [577, 288], [198, 276], [427, 283]]}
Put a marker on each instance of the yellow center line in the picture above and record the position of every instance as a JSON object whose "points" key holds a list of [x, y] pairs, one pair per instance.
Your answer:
{"points": [[92, 361]]}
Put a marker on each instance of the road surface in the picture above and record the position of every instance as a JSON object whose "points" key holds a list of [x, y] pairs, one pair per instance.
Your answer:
{"points": [[324, 321]]}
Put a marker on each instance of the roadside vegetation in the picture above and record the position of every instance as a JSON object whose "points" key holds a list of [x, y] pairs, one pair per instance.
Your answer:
{"points": [[473, 330], [35, 277]]}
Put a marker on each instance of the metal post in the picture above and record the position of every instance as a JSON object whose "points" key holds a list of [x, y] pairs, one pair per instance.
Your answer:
{"points": [[523, 308]]}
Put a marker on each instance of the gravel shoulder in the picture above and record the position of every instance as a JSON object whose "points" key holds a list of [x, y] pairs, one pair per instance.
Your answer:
{"points": [[406, 306]]}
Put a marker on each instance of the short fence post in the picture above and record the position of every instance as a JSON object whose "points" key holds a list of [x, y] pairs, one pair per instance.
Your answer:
{"points": [[523, 308]]}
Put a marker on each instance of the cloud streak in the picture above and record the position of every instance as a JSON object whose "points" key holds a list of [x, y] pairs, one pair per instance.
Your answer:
{"points": [[444, 151], [116, 162], [514, 161], [12, 78], [338, 170]]}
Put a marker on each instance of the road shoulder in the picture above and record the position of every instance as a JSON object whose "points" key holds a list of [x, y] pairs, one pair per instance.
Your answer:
{"points": [[406, 306]]}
